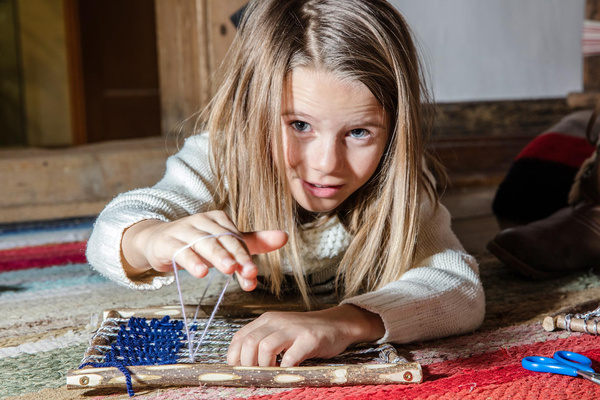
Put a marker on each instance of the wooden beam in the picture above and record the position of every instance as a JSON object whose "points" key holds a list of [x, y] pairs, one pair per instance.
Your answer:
{"points": [[226, 375], [220, 29], [591, 65], [591, 68], [43, 184], [183, 60], [75, 69]]}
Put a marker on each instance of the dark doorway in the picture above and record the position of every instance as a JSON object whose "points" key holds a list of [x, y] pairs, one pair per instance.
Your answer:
{"points": [[118, 71]]}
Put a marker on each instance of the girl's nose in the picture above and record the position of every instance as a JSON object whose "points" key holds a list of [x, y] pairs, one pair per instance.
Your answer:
{"points": [[327, 155]]}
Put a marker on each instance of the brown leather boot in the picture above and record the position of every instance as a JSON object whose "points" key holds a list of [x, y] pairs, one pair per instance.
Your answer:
{"points": [[565, 242]]}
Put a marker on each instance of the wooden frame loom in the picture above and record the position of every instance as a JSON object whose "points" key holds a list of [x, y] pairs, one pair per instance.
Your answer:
{"points": [[359, 365]]}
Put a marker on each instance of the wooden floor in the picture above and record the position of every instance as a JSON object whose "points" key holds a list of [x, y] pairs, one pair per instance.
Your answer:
{"points": [[472, 218]]}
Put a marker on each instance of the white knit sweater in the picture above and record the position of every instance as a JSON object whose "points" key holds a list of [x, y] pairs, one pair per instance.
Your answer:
{"points": [[440, 296]]}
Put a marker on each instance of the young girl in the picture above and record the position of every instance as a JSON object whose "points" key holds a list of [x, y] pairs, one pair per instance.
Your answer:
{"points": [[315, 138]]}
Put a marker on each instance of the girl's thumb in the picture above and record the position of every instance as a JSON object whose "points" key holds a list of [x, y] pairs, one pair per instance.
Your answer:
{"points": [[264, 241]]}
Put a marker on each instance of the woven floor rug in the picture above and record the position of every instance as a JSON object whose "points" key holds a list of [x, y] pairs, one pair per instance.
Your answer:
{"points": [[51, 301]]}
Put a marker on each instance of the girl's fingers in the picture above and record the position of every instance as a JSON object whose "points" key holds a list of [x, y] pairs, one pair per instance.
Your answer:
{"points": [[239, 253], [264, 241], [261, 347], [260, 342], [233, 353], [216, 243], [213, 250], [190, 261], [249, 353], [247, 285], [229, 238], [270, 347], [238, 341], [297, 353]]}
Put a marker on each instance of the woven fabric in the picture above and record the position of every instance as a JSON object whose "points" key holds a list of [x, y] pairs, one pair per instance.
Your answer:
{"points": [[42, 256], [30, 234], [538, 182], [560, 148]]}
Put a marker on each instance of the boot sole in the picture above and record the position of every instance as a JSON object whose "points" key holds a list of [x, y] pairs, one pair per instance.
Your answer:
{"points": [[519, 265]]}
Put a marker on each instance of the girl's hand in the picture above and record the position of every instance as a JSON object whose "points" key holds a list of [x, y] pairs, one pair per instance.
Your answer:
{"points": [[302, 335], [151, 244]]}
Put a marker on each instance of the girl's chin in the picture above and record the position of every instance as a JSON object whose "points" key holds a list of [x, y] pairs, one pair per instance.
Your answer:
{"points": [[318, 208]]}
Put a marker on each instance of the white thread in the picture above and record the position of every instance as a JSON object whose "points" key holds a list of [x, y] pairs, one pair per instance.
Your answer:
{"points": [[212, 316], [185, 321]]}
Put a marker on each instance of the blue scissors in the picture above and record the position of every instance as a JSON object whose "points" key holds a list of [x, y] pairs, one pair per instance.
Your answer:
{"points": [[564, 363]]}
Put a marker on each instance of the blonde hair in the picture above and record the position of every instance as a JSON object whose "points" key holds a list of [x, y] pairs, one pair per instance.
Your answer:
{"points": [[358, 40]]}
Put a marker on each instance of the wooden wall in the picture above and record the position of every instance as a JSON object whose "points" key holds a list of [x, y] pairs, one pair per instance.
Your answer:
{"points": [[591, 68], [591, 65], [11, 96], [193, 37], [45, 72]]}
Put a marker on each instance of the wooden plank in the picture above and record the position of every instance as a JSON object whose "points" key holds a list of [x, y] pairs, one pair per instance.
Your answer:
{"points": [[506, 118], [58, 182], [225, 310], [225, 375], [44, 57], [44, 212], [12, 123], [478, 160], [183, 60], [584, 100], [221, 30], [75, 69], [591, 65]]}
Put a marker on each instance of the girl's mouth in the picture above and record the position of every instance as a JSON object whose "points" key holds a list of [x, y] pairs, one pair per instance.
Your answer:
{"points": [[321, 190]]}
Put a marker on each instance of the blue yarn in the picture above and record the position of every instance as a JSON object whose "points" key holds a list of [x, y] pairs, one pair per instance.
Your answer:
{"points": [[143, 342]]}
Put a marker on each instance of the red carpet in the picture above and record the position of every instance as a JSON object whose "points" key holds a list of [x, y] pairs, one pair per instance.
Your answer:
{"points": [[496, 375], [42, 256]]}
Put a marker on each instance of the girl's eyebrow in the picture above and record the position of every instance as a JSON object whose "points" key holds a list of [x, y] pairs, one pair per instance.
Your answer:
{"points": [[373, 124], [365, 123], [295, 113]]}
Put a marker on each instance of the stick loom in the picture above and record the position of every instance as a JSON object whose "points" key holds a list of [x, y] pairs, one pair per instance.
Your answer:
{"points": [[363, 364], [567, 319]]}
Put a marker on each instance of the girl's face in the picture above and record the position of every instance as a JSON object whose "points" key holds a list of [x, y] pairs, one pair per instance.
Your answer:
{"points": [[334, 134]]}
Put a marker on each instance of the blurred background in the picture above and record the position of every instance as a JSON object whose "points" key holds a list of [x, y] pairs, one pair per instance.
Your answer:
{"points": [[94, 92]]}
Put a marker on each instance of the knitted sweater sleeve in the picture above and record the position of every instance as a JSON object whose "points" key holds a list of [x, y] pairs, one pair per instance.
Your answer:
{"points": [[440, 296], [185, 189]]}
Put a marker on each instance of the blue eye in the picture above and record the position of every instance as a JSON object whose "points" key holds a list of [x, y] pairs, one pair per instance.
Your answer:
{"points": [[359, 133], [301, 126]]}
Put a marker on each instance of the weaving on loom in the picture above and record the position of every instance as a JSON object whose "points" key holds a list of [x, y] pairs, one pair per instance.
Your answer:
{"points": [[134, 348], [168, 352]]}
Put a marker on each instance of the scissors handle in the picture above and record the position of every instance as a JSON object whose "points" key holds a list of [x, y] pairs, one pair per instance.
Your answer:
{"points": [[563, 362], [575, 360], [546, 364]]}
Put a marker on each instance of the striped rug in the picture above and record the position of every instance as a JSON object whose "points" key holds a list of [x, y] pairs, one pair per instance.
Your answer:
{"points": [[51, 301]]}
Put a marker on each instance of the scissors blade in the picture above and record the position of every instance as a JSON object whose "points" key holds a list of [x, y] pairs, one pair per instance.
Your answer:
{"points": [[594, 377]]}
